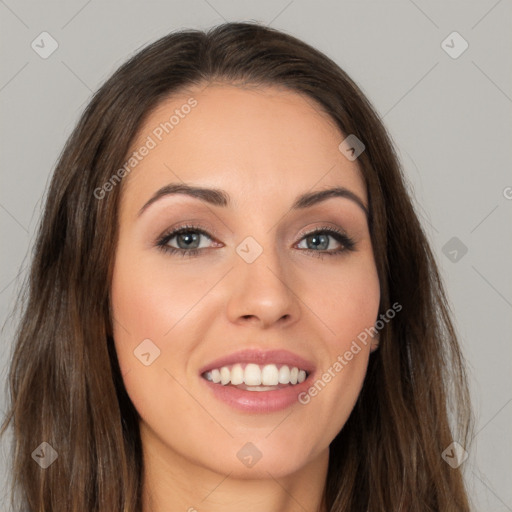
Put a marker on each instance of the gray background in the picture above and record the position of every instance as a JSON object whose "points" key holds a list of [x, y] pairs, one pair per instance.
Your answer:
{"points": [[450, 119]]}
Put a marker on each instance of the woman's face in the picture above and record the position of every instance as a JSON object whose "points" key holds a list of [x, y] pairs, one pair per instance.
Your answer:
{"points": [[254, 283]]}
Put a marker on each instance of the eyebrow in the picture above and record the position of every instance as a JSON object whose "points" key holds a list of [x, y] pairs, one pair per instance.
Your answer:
{"points": [[218, 197]]}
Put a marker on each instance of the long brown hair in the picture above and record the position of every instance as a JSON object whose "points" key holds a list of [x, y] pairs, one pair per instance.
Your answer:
{"points": [[65, 383]]}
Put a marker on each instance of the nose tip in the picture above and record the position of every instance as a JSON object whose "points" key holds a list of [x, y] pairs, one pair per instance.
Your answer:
{"points": [[261, 294]]}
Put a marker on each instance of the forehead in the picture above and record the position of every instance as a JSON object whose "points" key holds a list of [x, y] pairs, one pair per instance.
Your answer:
{"points": [[260, 142]]}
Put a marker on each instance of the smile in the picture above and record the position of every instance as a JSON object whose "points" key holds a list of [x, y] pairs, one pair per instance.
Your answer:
{"points": [[256, 381], [254, 377]]}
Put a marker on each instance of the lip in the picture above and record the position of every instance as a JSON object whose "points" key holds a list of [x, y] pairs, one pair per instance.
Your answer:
{"points": [[259, 401]]}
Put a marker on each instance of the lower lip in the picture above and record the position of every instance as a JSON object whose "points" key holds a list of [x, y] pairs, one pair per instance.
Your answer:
{"points": [[258, 401]]}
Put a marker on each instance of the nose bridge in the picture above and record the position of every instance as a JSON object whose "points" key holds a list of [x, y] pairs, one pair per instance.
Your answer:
{"points": [[261, 283]]}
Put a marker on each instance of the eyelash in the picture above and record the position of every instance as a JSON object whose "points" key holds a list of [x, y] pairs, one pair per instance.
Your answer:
{"points": [[347, 243]]}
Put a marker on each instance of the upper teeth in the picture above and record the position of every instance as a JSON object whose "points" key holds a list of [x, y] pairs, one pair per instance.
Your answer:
{"points": [[256, 375]]}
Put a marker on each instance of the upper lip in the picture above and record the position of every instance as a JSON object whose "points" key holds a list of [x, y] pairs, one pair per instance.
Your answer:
{"points": [[261, 357]]}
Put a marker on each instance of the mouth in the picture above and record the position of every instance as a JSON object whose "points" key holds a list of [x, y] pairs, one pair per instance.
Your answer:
{"points": [[256, 381], [256, 377]]}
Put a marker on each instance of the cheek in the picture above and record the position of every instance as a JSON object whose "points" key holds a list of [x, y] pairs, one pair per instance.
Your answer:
{"points": [[347, 304], [148, 299], [345, 299]]}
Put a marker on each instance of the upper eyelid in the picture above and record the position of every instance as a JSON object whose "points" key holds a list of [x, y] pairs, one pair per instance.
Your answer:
{"points": [[186, 227], [172, 233]]}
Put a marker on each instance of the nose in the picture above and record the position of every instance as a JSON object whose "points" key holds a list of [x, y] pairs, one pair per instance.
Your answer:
{"points": [[263, 293]]}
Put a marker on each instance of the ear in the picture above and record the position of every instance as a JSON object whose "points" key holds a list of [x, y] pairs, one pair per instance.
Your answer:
{"points": [[375, 343]]}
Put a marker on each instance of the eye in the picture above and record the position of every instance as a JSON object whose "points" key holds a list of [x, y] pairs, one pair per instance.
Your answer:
{"points": [[185, 240], [317, 242]]}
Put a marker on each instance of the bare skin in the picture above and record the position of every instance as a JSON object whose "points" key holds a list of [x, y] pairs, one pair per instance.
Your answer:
{"points": [[264, 147]]}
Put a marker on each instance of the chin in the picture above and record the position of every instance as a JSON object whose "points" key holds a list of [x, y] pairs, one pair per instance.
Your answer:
{"points": [[256, 456]]}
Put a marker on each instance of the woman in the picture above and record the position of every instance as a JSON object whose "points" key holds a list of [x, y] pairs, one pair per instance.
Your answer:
{"points": [[232, 303]]}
